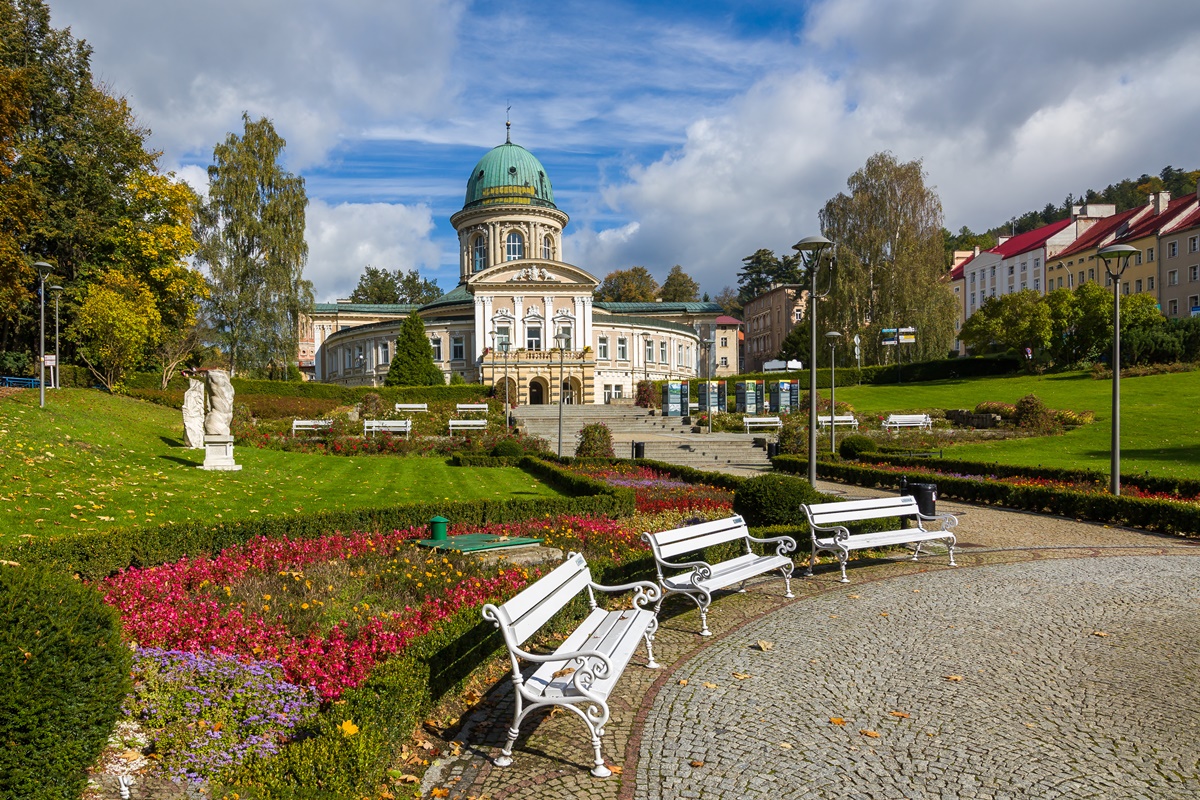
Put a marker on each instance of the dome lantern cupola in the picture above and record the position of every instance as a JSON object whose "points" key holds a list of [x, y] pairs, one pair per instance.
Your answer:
{"points": [[509, 175]]}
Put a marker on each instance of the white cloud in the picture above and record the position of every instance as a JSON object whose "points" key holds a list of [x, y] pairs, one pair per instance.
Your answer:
{"points": [[343, 239], [319, 71]]}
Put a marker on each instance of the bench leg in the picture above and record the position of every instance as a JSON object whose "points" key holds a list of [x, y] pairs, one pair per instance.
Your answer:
{"points": [[741, 588], [704, 631], [649, 636], [505, 757], [842, 559], [916, 551], [600, 770], [787, 581], [950, 546]]}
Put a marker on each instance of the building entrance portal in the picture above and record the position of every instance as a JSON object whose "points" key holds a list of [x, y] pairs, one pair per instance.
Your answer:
{"points": [[537, 392]]}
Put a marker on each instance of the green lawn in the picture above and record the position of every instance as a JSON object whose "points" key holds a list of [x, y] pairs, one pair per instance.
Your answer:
{"points": [[1160, 427], [89, 461]]}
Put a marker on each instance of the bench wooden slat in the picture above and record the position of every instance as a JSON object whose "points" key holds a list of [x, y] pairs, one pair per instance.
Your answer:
{"points": [[530, 610], [834, 513], [698, 537], [614, 633]]}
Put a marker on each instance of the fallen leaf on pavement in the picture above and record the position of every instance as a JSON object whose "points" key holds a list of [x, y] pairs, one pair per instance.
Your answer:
{"points": [[697, 763], [872, 734], [1099, 633], [683, 681], [785, 745], [837, 720], [900, 714], [741, 676], [765, 646], [709, 685], [953, 677]]}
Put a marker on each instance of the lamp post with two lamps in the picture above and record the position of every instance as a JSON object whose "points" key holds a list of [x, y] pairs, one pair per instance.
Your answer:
{"points": [[810, 249], [1120, 253], [562, 339], [710, 367], [833, 337], [43, 271], [501, 343]]}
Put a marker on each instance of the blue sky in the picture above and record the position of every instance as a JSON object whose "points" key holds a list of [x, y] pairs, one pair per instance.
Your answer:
{"points": [[687, 133]]}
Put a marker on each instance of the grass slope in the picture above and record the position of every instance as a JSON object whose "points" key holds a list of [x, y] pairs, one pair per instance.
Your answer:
{"points": [[90, 461], [1160, 427]]}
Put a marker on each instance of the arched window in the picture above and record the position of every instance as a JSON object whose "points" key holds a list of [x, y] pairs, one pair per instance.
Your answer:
{"points": [[547, 250], [479, 254], [514, 247]]}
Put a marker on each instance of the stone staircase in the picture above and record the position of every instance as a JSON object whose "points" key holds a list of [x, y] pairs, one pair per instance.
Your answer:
{"points": [[663, 438]]}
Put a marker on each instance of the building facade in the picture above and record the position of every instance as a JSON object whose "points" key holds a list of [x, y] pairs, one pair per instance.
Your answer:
{"points": [[769, 318], [1179, 267], [520, 314]]}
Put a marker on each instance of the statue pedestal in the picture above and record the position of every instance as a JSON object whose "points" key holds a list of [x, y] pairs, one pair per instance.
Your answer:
{"points": [[218, 454]]}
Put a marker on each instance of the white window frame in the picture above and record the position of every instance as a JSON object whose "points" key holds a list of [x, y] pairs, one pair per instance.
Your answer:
{"points": [[547, 248], [662, 352], [1173, 278], [649, 350], [514, 246], [602, 348], [458, 348], [533, 336], [435, 342], [622, 348], [479, 253]]}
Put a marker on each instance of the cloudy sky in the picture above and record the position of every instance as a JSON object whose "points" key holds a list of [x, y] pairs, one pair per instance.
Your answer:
{"points": [[687, 132]]}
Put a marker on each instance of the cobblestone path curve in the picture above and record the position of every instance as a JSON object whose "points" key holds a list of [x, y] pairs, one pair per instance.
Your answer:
{"points": [[1065, 678]]}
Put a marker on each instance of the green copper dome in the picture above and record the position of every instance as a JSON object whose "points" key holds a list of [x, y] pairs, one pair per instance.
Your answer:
{"points": [[509, 175]]}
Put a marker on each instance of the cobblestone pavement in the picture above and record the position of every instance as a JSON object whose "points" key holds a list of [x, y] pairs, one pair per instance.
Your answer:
{"points": [[1045, 706]]}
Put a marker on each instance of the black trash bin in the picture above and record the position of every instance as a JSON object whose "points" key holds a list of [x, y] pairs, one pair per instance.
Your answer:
{"points": [[639, 449], [772, 449], [924, 493]]}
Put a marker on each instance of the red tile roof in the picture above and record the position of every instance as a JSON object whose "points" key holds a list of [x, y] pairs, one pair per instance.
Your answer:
{"points": [[1030, 240], [1190, 221], [1103, 229], [727, 320], [1151, 223]]}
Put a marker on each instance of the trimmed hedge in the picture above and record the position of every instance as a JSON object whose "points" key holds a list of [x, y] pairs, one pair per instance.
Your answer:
{"points": [[95, 555], [63, 674], [775, 499], [1166, 516]]}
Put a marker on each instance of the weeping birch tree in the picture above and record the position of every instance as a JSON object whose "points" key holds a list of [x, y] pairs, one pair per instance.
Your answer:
{"points": [[890, 262], [251, 237]]}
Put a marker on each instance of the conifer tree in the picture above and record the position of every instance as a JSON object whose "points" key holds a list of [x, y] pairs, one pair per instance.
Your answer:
{"points": [[413, 363]]}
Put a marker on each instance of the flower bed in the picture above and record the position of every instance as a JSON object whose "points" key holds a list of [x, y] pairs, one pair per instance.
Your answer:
{"points": [[657, 491]]}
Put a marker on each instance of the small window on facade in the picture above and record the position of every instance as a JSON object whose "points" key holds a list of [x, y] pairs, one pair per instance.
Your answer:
{"points": [[502, 337], [1150, 284], [724, 361], [1193, 244], [547, 249], [479, 254], [622, 349], [1193, 272], [649, 349], [564, 330], [1193, 301], [1010, 269], [1080, 277], [618, 392], [1137, 286], [384, 357], [1125, 288], [993, 271], [1172, 249], [514, 247], [1023, 265], [533, 337], [1091, 274], [1173, 278], [436, 344], [1173, 308], [1149, 254], [1137, 257], [602, 347], [457, 348], [1037, 262], [799, 314], [662, 352], [724, 341]]}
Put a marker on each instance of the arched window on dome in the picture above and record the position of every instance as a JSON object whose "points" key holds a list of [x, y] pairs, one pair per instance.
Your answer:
{"points": [[514, 247], [547, 248], [479, 254]]}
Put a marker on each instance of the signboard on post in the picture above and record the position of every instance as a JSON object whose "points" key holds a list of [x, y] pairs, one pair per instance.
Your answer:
{"points": [[749, 397], [674, 399], [712, 395]]}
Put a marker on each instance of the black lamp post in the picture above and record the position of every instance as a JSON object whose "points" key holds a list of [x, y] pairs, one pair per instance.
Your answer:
{"points": [[810, 249], [57, 363], [832, 336], [1120, 253], [562, 339], [43, 270]]}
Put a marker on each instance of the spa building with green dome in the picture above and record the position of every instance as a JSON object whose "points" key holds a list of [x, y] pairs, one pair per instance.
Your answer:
{"points": [[516, 301]]}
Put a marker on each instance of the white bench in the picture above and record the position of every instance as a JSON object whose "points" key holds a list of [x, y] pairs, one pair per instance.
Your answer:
{"points": [[467, 425], [472, 408], [581, 673], [699, 579], [412, 407], [755, 423], [839, 419], [895, 421], [373, 426], [311, 425], [830, 534]]}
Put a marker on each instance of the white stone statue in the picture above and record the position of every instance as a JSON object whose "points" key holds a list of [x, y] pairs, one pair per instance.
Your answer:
{"points": [[193, 414], [220, 403]]}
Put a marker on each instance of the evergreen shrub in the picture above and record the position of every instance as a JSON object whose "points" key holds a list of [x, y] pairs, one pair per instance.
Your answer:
{"points": [[595, 441], [508, 448], [1031, 413], [63, 673], [774, 500], [856, 444]]}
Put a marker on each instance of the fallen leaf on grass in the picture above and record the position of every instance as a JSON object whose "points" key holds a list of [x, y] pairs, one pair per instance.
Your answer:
{"points": [[837, 721], [872, 734], [953, 677], [697, 763], [741, 676], [900, 714], [439, 792]]}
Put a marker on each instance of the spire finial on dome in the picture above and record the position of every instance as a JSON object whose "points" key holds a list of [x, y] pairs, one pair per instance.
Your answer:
{"points": [[507, 126]]}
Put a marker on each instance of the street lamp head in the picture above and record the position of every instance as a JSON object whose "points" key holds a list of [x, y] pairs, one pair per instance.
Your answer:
{"points": [[833, 336], [563, 339], [42, 267], [503, 345], [1120, 253], [811, 244], [56, 288]]}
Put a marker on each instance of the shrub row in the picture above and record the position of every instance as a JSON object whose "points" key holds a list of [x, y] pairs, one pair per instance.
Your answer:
{"points": [[1183, 487], [95, 555], [1166, 516]]}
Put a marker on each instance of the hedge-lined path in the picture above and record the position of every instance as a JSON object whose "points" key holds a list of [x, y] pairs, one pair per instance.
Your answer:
{"points": [[1045, 708]]}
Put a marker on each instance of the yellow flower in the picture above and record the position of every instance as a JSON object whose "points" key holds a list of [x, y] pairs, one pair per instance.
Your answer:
{"points": [[348, 728], [304, 605]]}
